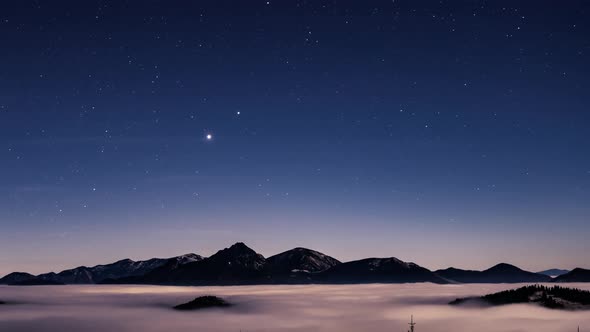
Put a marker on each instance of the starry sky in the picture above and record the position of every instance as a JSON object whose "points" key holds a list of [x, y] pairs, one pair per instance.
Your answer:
{"points": [[449, 133]]}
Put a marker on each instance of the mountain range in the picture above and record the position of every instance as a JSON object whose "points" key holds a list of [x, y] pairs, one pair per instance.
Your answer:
{"points": [[98, 273], [240, 265], [501, 273]]}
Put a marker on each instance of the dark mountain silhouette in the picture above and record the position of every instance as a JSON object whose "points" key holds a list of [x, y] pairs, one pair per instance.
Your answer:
{"points": [[119, 269], [240, 265], [235, 265], [16, 277], [154, 276], [300, 260], [458, 276], [575, 275], [298, 265], [501, 273], [378, 270], [79, 275], [553, 272], [98, 273]]}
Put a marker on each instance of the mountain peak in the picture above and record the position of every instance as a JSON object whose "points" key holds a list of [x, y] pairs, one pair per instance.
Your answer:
{"points": [[301, 260], [185, 259], [240, 246], [301, 249], [125, 260], [190, 255], [237, 252], [503, 267]]}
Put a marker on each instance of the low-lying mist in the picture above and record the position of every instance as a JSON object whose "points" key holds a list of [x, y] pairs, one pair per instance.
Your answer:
{"points": [[340, 308]]}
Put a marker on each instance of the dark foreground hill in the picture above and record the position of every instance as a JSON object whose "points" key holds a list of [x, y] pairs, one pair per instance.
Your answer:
{"points": [[501, 273], [554, 297]]}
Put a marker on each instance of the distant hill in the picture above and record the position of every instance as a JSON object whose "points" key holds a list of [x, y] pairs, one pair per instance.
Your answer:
{"points": [[16, 277], [501, 273], [553, 272], [298, 265], [575, 275], [378, 270]]}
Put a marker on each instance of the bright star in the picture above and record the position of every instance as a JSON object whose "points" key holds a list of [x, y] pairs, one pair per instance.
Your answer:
{"points": [[209, 137]]}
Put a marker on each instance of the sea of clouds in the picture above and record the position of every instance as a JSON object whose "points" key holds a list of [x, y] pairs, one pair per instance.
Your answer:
{"points": [[375, 307]]}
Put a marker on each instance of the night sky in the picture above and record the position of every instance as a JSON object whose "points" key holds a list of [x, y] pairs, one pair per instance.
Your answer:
{"points": [[449, 133]]}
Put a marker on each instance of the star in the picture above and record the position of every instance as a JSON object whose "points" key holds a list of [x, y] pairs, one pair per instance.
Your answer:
{"points": [[209, 137]]}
